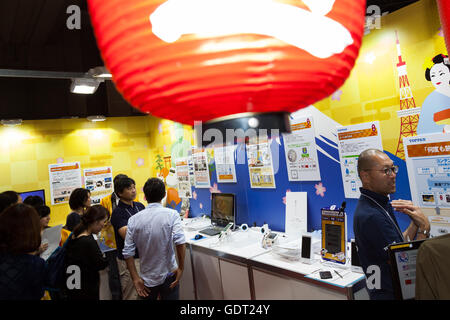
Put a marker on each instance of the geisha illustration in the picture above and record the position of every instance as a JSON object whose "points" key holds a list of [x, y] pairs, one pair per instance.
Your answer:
{"points": [[435, 113]]}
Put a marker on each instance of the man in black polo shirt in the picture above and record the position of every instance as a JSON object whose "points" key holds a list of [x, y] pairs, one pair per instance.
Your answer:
{"points": [[125, 188], [374, 223]]}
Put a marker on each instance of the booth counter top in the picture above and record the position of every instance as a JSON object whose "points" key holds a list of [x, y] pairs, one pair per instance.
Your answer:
{"points": [[245, 247]]}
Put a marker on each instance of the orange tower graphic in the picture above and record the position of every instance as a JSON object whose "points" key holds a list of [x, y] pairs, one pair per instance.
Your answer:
{"points": [[408, 113]]}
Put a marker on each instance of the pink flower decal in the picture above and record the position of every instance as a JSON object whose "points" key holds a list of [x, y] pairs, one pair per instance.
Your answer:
{"points": [[201, 205], [194, 195], [320, 189], [140, 162], [214, 189], [336, 95], [284, 198]]}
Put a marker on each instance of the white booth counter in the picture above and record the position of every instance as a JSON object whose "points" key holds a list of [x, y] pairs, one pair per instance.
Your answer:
{"points": [[239, 268]]}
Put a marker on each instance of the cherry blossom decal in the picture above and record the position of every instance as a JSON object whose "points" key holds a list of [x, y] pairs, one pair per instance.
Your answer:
{"points": [[320, 189]]}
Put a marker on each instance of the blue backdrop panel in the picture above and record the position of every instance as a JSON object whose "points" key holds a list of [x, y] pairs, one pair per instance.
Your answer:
{"points": [[267, 206]]}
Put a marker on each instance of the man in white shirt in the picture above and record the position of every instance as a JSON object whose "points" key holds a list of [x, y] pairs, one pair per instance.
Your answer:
{"points": [[154, 232]]}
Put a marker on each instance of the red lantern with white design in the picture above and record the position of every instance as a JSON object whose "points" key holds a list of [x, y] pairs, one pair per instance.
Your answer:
{"points": [[200, 60]]}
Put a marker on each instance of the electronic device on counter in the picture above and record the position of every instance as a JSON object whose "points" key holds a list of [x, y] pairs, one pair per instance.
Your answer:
{"points": [[325, 275], [269, 239], [402, 257], [222, 213], [307, 254], [355, 264]]}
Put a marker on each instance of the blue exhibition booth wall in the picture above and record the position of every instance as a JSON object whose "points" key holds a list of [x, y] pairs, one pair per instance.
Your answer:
{"points": [[267, 206]]}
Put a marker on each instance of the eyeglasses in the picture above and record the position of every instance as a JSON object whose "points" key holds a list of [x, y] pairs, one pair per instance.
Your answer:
{"points": [[387, 171]]}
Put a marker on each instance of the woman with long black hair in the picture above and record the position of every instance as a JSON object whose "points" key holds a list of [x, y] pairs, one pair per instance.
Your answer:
{"points": [[84, 253]]}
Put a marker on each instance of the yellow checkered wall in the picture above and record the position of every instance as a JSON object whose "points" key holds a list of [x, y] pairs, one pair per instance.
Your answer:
{"points": [[128, 144]]}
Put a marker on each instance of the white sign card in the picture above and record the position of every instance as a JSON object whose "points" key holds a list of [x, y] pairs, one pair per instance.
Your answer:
{"points": [[184, 185], [352, 140], [99, 181], [225, 165], [300, 150], [64, 178], [296, 213]]}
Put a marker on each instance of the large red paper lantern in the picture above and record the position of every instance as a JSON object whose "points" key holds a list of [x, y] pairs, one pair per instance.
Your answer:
{"points": [[198, 60], [444, 16]]}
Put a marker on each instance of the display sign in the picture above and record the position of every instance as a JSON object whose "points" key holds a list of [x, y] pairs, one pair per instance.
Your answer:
{"points": [[225, 165], [300, 150], [352, 140], [184, 185], [260, 166], [428, 162], [334, 235], [201, 171], [99, 181], [64, 178]]}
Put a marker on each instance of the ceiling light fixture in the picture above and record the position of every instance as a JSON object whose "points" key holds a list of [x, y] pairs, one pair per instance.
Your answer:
{"points": [[11, 122], [96, 118], [84, 85], [100, 73]]}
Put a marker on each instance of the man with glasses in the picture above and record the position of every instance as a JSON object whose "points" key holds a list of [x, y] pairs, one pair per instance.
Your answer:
{"points": [[374, 224]]}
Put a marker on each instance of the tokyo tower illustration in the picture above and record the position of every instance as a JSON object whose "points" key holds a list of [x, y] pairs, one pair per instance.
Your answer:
{"points": [[408, 113]]}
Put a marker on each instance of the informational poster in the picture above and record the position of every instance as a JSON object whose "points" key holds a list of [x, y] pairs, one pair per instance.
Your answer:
{"points": [[64, 178], [300, 149], [260, 164], [201, 171], [99, 181], [184, 185], [225, 165], [428, 162], [352, 140]]}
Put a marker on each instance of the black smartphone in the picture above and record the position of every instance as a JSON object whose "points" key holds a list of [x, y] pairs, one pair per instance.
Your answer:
{"points": [[306, 247], [325, 275]]}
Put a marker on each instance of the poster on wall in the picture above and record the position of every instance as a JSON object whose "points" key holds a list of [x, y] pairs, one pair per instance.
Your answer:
{"points": [[300, 149], [225, 166], [64, 178], [352, 140], [184, 185], [260, 165], [201, 170], [428, 162], [99, 181]]}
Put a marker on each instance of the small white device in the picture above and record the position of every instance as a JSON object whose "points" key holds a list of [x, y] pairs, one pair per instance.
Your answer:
{"points": [[244, 227]]}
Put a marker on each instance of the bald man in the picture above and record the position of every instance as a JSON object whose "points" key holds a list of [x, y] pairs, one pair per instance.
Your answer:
{"points": [[374, 224]]}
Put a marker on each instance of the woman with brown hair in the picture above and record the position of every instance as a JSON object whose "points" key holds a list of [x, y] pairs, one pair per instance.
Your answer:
{"points": [[22, 273], [83, 251]]}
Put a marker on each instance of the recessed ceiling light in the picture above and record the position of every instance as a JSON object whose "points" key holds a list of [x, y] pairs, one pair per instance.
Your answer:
{"points": [[96, 118], [11, 122]]}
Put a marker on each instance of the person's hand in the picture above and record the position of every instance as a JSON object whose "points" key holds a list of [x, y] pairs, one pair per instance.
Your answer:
{"points": [[141, 289], [414, 212], [43, 247], [178, 273]]}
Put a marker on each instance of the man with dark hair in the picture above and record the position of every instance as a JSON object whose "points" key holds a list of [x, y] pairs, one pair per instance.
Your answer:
{"points": [[79, 201], [125, 189], [8, 198], [154, 232], [374, 223]]}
